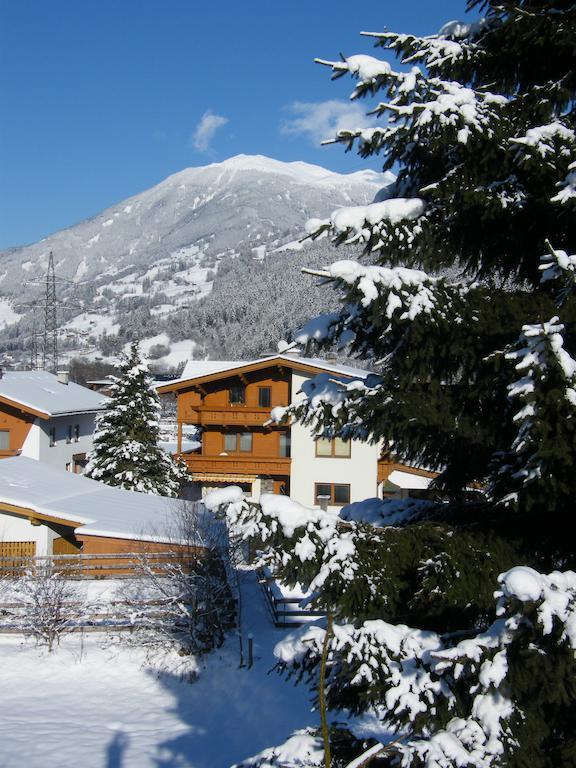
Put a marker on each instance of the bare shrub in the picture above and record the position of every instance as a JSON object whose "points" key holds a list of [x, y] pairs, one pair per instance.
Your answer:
{"points": [[50, 604], [185, 601]]}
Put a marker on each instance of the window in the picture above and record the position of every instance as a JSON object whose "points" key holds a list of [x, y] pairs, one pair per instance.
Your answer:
{"points": [[79, 462], [246, 442], [69, 435], [336, 448], [285, 444], [4, 439], [76, 433], [237, 395], [52, 434], [264, 397], [337, 493], [341, 494], [235, 442]]}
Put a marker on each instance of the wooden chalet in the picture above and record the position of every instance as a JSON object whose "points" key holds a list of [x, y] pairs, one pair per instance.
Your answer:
{"points": [[231, 402]]}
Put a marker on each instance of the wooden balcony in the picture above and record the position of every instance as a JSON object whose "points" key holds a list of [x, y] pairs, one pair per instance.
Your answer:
{"points": [[241, 416], [237, 465]]}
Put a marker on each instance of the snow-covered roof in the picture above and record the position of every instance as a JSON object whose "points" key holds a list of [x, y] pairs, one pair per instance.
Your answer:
{"points": [[93, 508], [409, 480], [196, 369], [42, 392]]}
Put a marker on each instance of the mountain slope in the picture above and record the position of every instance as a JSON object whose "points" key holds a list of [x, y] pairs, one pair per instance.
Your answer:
{"points": [[164, 246]]}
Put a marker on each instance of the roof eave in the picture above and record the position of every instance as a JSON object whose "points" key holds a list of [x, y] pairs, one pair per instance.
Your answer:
{"points": [[295, 364]]}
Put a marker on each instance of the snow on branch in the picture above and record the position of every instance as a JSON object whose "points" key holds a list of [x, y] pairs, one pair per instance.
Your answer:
{"points": [[452, 44], [559, 265], [406, 673], [303, 749], [567, 187], [366, 223], [544, 394], [317, 544], [542, 345], [548, 144]]}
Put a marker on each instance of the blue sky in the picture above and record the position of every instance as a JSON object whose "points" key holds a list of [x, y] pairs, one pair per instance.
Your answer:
{"points": [[104, 98]]}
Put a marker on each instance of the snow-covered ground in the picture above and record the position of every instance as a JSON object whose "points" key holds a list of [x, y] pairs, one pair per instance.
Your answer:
{"points": [[8, 316], [93, 324], [99, 705]]}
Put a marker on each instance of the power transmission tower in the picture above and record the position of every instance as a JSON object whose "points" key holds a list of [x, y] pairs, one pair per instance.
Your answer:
{"points": [[50, 339]]}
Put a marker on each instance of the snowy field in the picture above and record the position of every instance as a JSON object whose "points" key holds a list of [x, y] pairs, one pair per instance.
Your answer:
{"points": [[98, 704]]}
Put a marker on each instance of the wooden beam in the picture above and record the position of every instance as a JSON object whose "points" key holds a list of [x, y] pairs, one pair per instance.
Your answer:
{"points": [[243, 379], [179, 448], [32, 516], [24, 408]]}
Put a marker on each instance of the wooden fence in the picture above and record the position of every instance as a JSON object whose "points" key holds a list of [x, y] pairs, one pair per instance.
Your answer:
{"points": [[103, 566], [106, 616]]}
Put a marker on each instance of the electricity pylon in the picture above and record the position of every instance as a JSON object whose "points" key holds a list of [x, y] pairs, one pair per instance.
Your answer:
{"points": [[50, 338]]}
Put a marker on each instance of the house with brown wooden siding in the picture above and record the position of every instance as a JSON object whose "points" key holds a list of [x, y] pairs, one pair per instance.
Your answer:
{"points": [[230, 401]]}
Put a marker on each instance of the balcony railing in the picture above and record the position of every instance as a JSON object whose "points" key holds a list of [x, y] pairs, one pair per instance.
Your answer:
{"points": [[244, 416], [234, 465]]}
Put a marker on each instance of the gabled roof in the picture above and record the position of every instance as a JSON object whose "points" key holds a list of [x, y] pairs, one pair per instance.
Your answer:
{"points": [[40, 393], [200, 371], [92, 508]]}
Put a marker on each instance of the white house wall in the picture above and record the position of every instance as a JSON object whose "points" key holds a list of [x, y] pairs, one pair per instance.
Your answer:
{"points": [[31, 447], [17, 529], [360, 471], [60, 455]]}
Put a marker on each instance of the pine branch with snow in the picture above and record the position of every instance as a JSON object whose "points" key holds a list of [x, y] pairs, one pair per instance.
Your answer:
{"points": [[479, 123]]}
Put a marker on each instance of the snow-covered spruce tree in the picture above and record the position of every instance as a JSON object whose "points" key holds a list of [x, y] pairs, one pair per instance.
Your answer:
{"points": [[466, 300], [126, 451]]}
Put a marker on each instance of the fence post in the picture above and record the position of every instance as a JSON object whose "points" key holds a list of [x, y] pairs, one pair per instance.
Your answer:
{"points": [[250, 651]]}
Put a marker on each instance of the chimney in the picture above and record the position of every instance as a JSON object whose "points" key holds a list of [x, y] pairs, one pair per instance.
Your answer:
{"points": [[292, 352], [63, 377]]}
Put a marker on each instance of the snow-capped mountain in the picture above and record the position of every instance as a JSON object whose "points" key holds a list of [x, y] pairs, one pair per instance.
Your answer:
{"points": [[167, 243]]}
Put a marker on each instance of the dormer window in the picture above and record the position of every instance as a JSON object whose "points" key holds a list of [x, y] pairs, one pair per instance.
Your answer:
{"points": [[4, 439], [237, 394]]}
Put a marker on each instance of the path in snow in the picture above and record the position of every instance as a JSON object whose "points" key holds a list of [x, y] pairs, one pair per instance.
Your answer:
{"points": [[107, 710]]}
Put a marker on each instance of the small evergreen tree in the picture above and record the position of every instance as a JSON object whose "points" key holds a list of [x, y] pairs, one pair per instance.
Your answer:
{"points": [[467, 302], [126, 451]]}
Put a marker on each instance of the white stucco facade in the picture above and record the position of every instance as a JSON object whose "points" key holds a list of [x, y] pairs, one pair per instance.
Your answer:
{"points": [[359, 471], [73, 435], [14, 528]]}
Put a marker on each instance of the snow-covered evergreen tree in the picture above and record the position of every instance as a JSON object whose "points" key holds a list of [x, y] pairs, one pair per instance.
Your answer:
{"points": [[126, 451], [467, 300]]}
